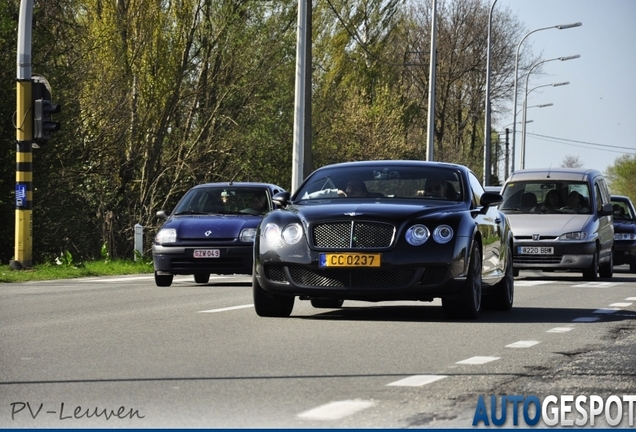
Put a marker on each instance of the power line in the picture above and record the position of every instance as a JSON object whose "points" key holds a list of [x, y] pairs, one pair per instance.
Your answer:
{"points": [[585, 144]]}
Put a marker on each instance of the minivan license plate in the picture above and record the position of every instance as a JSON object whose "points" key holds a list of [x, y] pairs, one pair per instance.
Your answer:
{"points": [[535, 250]]}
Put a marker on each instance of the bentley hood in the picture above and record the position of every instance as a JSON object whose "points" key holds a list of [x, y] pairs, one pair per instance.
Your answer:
{"points": [[394, 211]]}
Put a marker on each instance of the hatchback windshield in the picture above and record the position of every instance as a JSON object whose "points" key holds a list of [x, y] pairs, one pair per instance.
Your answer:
{"points": [[225, 200], [546, 198]]}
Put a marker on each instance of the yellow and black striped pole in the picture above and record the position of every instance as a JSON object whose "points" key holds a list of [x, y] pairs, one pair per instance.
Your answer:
{"points": [[24, 178], [23, 257]]}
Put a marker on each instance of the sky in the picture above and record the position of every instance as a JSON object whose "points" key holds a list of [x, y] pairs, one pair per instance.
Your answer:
{"points": [[594, 117]]}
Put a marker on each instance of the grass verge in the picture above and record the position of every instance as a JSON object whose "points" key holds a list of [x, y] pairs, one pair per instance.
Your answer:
{"points": [[92, 268]]}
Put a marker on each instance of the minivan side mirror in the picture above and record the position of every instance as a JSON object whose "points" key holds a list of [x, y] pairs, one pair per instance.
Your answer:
{"points": [[606, 210]]}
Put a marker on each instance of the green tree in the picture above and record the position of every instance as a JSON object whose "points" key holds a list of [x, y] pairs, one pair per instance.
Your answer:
{"points": [[622, 176]]}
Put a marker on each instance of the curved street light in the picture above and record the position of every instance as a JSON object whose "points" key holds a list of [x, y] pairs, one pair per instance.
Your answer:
{"points": [[487, 138], [525, 103], [514, 103]]}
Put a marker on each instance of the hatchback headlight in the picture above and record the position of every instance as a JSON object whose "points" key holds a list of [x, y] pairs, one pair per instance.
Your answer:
{"points": [[417, 235], [167, 235], [247, 235], [443, 234], [579, 235], [624, 236]]}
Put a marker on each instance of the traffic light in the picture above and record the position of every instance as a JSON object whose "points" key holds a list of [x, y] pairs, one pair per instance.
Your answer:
{"points": [[43, 125]]}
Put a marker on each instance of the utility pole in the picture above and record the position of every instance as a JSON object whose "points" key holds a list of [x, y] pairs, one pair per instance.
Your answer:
{"points": [[33, 128], [23, 253]]}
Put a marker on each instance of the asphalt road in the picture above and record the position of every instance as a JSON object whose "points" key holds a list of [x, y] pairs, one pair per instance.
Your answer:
{"points": [[119, 352]]}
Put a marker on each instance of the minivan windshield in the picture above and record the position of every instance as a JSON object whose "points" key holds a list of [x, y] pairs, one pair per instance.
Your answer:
{"points": [[541, 197]]}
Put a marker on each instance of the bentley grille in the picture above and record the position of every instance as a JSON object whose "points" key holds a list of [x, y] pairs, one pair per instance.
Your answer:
{"points": [[353, 235]]}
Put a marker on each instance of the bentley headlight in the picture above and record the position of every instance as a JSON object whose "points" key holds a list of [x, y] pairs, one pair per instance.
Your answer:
{"points": [[417, 235], [578, 235], [247, 235], [443, 234], [292, 233], [167, 235], [271, 233]]}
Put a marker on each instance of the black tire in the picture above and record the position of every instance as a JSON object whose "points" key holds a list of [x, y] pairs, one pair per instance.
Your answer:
{"points": [[606, 270], [504, 291], [632, 268], [591, 273], [467, 304], [163, 280], [515, 272], [202, 278], [271, 305], [327, 303]]}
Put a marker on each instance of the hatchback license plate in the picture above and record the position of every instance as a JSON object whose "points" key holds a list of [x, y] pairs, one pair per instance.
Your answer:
{"points": [[535, 250], [350, 260], [206, 253]]}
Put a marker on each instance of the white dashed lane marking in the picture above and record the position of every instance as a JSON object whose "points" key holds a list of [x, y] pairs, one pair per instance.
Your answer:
{"points": [[597, 285], [227, 308], [336, 410], [528, 283], [417, 380], [522, 344], [478, 360], [586, 319], [559, 330], [620, 305]]}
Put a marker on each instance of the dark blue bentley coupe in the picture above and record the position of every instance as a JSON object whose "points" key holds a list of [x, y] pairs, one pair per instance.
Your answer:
{"points": [[385, 230], [211, 230]]}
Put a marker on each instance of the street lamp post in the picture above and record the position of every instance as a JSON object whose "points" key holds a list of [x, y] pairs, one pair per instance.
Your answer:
{"points": [[514, 103], [525, 104], [487, 140]]}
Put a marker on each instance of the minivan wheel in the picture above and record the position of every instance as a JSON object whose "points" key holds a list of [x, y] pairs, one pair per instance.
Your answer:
{"points": [[607, 270], [591, 273], [504, 291]]}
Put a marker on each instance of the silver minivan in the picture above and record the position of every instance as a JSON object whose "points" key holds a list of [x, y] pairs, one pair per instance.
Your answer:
{"points": [[561, 219]]}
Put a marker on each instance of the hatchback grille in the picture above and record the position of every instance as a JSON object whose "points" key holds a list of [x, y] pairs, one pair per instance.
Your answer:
{"points": [[353, 235], [209, 263]]}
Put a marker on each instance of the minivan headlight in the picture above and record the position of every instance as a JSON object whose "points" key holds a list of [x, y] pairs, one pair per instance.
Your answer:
{"points": [[578, 235]]}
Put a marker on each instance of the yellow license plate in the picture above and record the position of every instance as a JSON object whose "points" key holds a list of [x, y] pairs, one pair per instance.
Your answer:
{"points": [[350, 260]]}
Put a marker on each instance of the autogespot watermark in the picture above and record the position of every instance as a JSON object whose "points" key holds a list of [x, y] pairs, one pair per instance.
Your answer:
{"points": [[563, 410]]}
